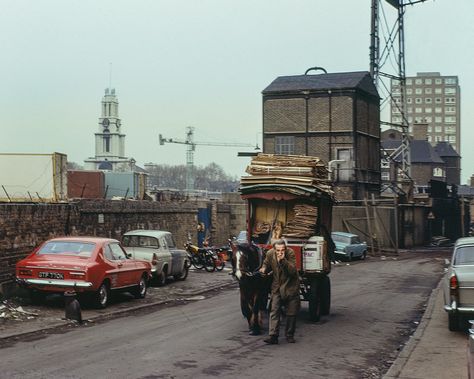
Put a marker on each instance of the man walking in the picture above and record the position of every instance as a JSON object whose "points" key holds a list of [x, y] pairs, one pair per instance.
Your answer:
{"points": [[285, 290]]}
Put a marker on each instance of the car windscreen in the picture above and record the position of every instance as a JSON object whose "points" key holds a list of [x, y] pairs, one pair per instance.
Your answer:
{"points": [[341, 239], [464, 256], [83, 249], [140, 241]]}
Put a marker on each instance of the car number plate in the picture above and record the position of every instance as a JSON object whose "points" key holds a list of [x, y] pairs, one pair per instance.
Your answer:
{"points": [[51, 275]]}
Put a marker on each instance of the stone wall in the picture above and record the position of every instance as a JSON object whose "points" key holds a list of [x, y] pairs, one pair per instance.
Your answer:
{"points": [[25, 226]]}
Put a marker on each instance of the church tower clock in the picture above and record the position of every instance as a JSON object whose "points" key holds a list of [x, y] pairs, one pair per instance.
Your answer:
{"points": [[109, 139]]}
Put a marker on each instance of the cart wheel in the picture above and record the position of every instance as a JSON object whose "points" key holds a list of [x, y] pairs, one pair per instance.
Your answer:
{"points": [[314, 300], [325, 295]]}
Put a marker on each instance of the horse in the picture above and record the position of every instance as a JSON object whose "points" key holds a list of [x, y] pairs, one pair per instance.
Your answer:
{"points": [[254, 286]]}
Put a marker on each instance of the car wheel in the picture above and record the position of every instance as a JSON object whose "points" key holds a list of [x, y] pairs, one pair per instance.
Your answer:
{"points": [[184, 273], [161, 279], [363, 256], [453, 322], [101, 296], [139, 292]]}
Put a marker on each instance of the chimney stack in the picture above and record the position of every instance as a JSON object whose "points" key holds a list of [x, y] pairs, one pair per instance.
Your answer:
{"points": [[420, 131]]}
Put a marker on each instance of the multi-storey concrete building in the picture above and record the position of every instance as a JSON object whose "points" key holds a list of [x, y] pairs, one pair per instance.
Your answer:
{"points": [[433, 99], [332, 116]]}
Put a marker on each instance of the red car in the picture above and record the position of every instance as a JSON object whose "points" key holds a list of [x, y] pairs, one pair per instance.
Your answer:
{"points": [[87, 265]]}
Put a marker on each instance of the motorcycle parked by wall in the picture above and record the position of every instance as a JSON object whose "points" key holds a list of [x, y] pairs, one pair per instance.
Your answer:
{"points": [[201, 257]]}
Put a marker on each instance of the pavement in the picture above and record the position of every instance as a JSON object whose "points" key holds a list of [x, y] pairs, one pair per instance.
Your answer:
{"points": [[431, 352]]}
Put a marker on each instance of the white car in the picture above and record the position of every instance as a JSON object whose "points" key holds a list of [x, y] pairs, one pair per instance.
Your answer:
{"points": [[159, 248], [458, 286]]}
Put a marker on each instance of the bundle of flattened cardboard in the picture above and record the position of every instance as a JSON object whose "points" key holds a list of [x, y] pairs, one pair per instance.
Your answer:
{"points": [[301, 171], [297, 174]]}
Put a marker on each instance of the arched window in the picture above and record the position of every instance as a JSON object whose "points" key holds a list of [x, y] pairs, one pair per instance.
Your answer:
{"points": [[438, 172]]}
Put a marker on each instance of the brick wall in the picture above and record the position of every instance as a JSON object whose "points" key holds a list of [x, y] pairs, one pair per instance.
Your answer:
{"points": [[25, 226]]}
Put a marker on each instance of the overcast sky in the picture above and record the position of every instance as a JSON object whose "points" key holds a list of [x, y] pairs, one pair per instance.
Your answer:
{"points": [[181, 63]]}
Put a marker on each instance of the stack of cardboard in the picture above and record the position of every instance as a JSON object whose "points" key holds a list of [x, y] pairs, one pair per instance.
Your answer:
{"points": [[297, 174], [303, 224]]}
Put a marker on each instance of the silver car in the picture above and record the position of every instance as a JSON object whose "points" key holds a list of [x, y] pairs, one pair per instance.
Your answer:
{"points": [[458, 286]]}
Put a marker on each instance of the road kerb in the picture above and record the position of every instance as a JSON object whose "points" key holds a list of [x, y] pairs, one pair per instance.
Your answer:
{"points": [[407, 350]]}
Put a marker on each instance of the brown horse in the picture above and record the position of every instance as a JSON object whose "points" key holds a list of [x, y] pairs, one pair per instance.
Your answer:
{"points": [[254, 286]]}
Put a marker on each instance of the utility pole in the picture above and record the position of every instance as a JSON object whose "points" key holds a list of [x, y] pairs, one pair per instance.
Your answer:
{"points": [[377, 59]]}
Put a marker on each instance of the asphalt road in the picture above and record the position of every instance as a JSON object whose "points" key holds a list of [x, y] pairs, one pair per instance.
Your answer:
{"points": [[376, 304]]}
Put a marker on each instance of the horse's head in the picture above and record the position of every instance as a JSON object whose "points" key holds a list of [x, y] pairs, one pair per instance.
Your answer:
{"points": [[246, 260]]}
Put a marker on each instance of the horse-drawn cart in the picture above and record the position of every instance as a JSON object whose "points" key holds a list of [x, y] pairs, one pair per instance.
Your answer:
{"points": [[289, 197]]}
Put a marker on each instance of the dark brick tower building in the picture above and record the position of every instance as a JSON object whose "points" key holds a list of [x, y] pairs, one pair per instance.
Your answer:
{"points": [[331, 116]]}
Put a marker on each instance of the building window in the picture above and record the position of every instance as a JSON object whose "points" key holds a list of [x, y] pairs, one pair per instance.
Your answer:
{"points": [[438, 81], [418, 100], [409, 100], [428, 138], [450, 81], [428, 110], [408, 82], [449, 91], [428, 91], [418, 81], [438, 171], [450, 119], [409, 91], [409, 109], [428, 100], [428, 81], [418, 91], [438, 100], [438, 138], [107, 144], [343, 169], [450, 100], [438, 110], [438, 119], [396, 90], [385, 176], [438, 129], [428, 129], [449, 109], [284, 145], [438, 90], [418, 110], [452, 139], [449, 130]]}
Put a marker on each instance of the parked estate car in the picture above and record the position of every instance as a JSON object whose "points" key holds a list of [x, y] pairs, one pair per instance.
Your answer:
{"points": [[349, 246], [458, 285], [87, 265], [159, 248]]}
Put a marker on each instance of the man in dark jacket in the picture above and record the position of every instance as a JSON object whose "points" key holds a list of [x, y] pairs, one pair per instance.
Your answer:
{"points": [[285, 290]]}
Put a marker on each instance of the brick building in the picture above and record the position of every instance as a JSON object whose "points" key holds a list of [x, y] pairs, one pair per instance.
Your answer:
{"points": [[332, 116], [441, 162]]}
